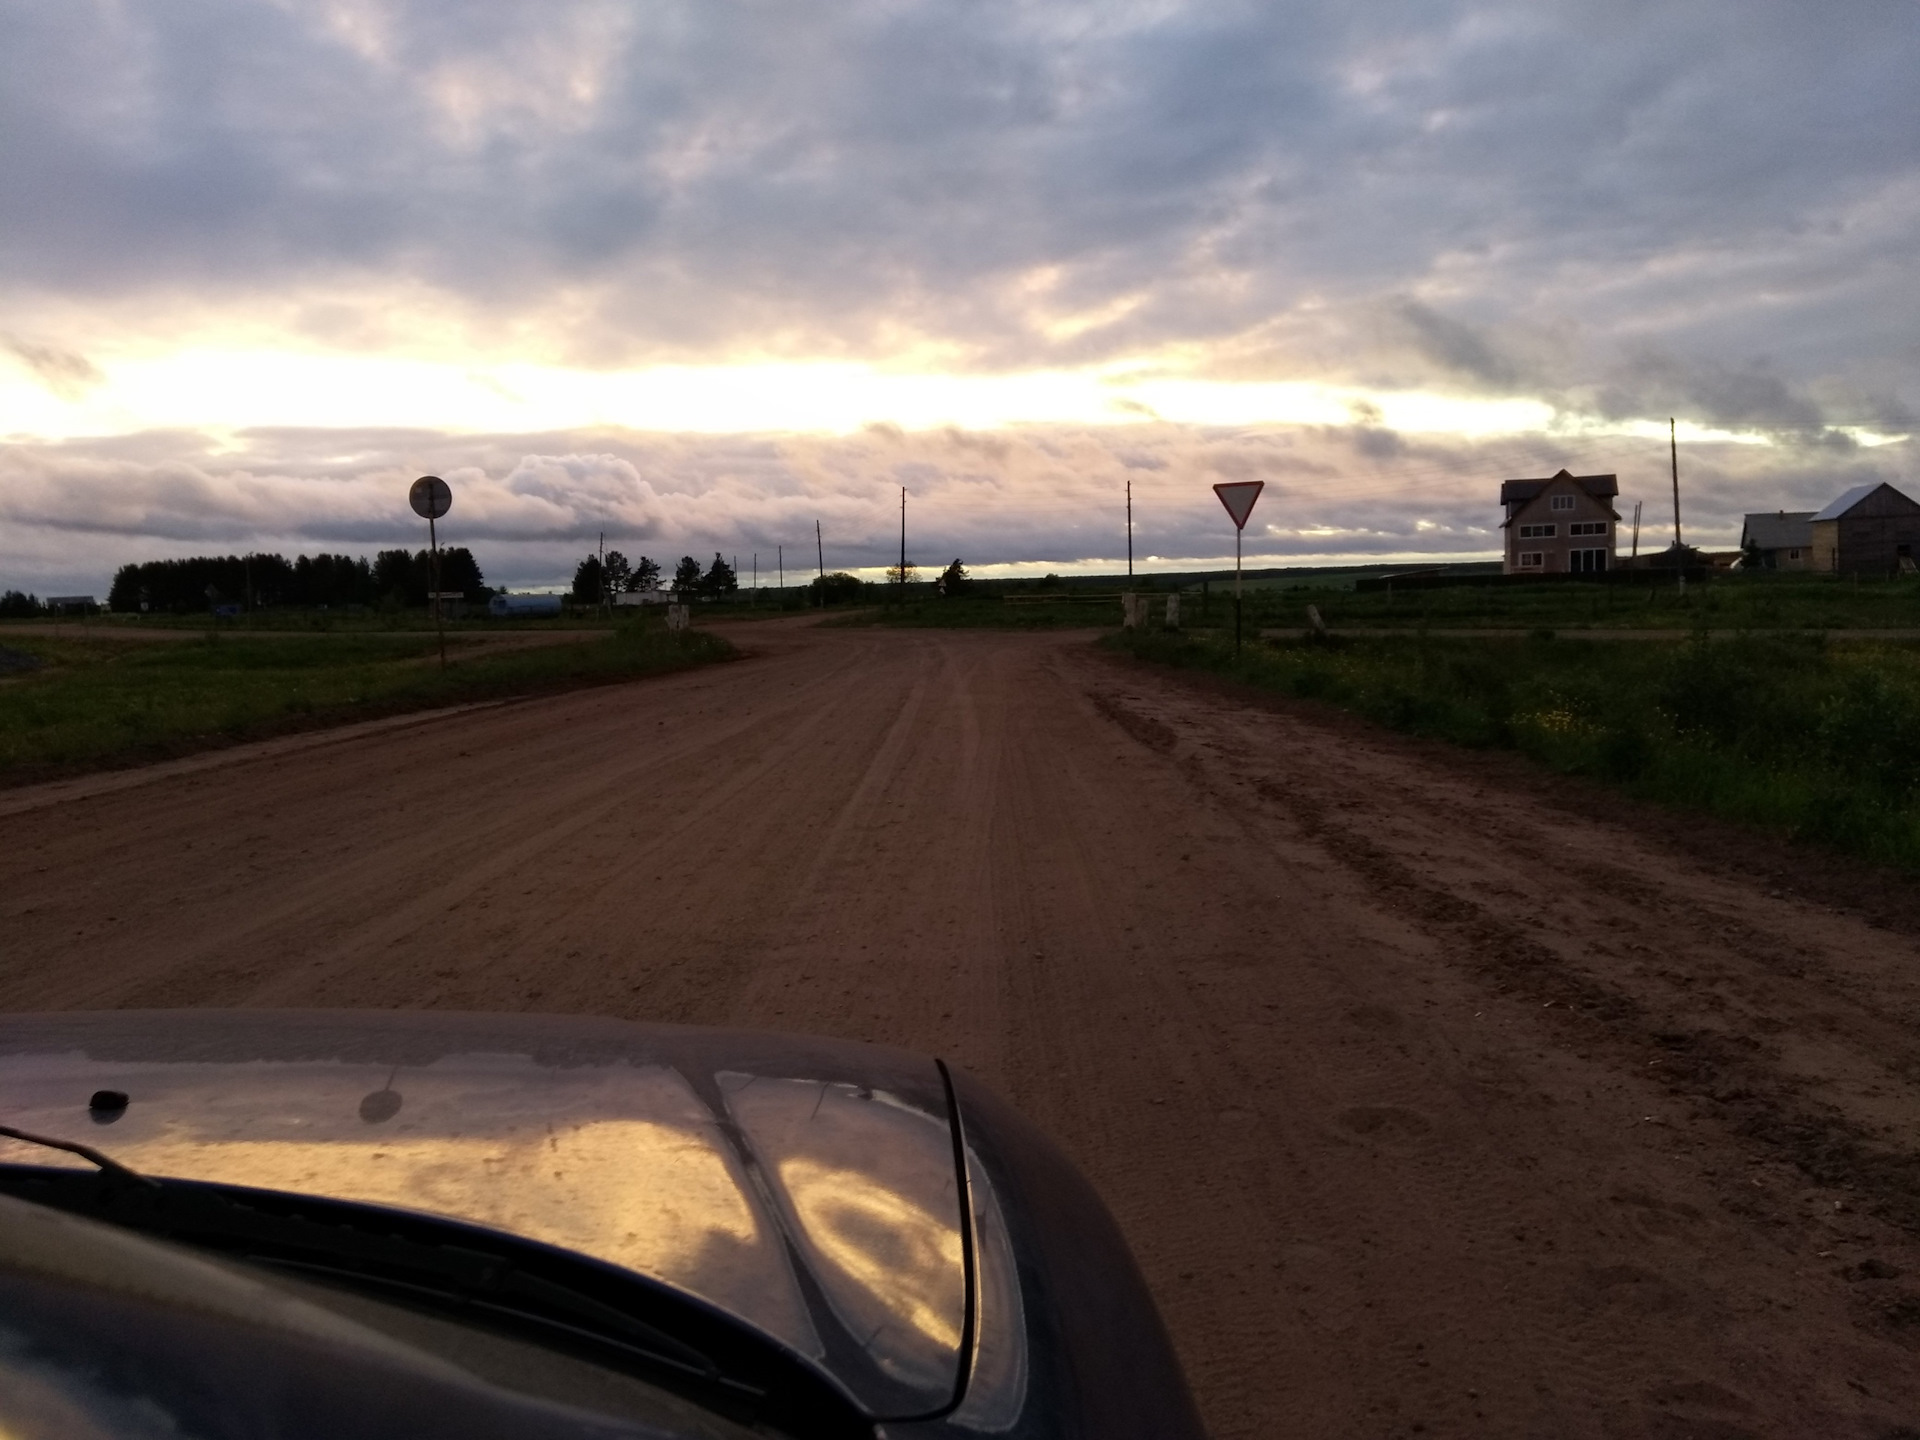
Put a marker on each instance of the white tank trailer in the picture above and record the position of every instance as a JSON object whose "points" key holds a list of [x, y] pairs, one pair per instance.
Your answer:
{"points": [[509, 607]]}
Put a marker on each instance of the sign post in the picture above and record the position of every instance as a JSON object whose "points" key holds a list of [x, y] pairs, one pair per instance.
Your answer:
{"points": [[431, 497], [1238, 496]]}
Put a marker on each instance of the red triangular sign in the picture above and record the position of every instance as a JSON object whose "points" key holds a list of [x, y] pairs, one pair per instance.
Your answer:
{"points": [[1238, 497]]}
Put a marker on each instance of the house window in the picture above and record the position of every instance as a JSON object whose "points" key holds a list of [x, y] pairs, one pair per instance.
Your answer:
{"points": [[1793, 554], [1531, 559], [1560, 502], [1587, 527], [1537, 532], [1581, 562]]}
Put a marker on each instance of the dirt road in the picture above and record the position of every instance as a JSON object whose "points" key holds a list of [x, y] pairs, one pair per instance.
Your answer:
{"points": [[1431, 1103]]}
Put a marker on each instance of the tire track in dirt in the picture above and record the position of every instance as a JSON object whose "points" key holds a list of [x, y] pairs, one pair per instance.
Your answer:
{"points": [[1757, 1107]]}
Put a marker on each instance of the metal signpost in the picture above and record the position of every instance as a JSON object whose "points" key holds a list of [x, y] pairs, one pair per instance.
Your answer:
{"points": [[1238, 496], [431, 497]]}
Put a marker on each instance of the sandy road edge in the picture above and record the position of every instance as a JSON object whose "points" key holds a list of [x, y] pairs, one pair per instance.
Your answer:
{"points": [[1885, 898], [55, 792]]}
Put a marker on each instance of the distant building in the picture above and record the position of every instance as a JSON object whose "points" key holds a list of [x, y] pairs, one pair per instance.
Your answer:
{"points": [[1870, 530], [1779, 539], [1563, 525], [72, 604], [655, 596]]}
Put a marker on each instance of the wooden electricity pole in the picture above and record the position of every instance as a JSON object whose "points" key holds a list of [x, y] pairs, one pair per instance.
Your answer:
{"points": [[1129, 529], [1673, 447]]}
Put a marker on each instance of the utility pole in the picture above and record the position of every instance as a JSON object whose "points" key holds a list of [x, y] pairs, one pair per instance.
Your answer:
{"points": [[1129, 528], [903, 544], [780, 559], [820, 554], [756, 577], [1673, 445], [433, 579], [604, 604], [1236, 590], [1636, 529]]}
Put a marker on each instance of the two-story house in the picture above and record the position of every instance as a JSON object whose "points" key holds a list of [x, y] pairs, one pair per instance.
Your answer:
{"points": [[1563, 525]]}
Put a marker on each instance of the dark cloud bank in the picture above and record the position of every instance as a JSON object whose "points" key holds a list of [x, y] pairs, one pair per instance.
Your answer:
{"points": [[1626, 209]]}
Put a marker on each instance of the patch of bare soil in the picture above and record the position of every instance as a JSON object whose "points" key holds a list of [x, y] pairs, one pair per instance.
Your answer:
{"points": [[1436, 1098]]}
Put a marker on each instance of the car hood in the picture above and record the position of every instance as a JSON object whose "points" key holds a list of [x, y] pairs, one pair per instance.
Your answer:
{"points": [[809, 1189]]}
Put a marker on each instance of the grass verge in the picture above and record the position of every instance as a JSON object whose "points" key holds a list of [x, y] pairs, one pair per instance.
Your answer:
{"points": [[86, 703], [1818, 740], [1764, 600]]}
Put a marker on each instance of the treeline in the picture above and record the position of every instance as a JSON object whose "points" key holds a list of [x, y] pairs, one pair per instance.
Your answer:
{"points": [[396, 577], [593, 581]]}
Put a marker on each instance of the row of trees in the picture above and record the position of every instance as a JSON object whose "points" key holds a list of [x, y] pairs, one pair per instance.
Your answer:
{"points": [[19, 605], [592, 581], [401, 577]]}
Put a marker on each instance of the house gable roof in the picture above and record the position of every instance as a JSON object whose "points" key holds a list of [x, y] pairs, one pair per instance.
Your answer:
{"points": [[1778, 530], [1849, 501], [1518, 492]]}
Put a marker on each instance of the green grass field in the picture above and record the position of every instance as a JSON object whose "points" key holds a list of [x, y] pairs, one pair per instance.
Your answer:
{"points": [[1815, 739], [104, 701], [1727, 602]]}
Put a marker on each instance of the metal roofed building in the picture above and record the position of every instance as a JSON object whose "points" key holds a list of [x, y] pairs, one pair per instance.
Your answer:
{"points": [[1562, 525], [1783, 538], [1872, 529]]}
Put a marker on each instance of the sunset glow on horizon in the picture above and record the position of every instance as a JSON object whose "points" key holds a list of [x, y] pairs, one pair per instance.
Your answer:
{"points": [[701, 276]]}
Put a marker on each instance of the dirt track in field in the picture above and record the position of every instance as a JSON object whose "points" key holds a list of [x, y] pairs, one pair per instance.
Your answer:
{"points": [[1430, 1103]]}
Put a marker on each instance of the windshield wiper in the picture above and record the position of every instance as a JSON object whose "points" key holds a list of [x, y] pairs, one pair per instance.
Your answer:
{"points": [[86, 1152], [486, 1277]]}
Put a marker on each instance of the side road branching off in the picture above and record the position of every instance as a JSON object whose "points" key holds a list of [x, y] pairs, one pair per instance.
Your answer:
{"points": [[1812, 738]]}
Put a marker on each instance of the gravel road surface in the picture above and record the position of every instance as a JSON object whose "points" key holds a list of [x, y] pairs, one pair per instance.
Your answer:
{"points": [[1432, 1101]]}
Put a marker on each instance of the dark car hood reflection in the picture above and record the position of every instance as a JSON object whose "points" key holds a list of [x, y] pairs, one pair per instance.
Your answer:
{"points": [[823, 1211]]}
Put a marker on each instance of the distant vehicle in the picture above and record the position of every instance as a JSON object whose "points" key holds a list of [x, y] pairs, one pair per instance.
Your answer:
{"points": [[355, 1223], [509, 606]]}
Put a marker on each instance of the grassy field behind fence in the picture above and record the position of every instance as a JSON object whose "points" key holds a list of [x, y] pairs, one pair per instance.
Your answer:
{"points": [[1764, 601], [1819, 740], [98, 701]]}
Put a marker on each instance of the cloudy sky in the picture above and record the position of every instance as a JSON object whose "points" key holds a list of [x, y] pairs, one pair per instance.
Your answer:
{"points": [[700, 273]]}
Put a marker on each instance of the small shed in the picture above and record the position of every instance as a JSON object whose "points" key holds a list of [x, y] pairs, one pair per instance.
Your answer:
{"points": [[1871, 530], [1782, 539]]}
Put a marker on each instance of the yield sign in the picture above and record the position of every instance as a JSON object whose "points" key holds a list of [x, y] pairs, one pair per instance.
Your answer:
{"points": [[1238, 497]]}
